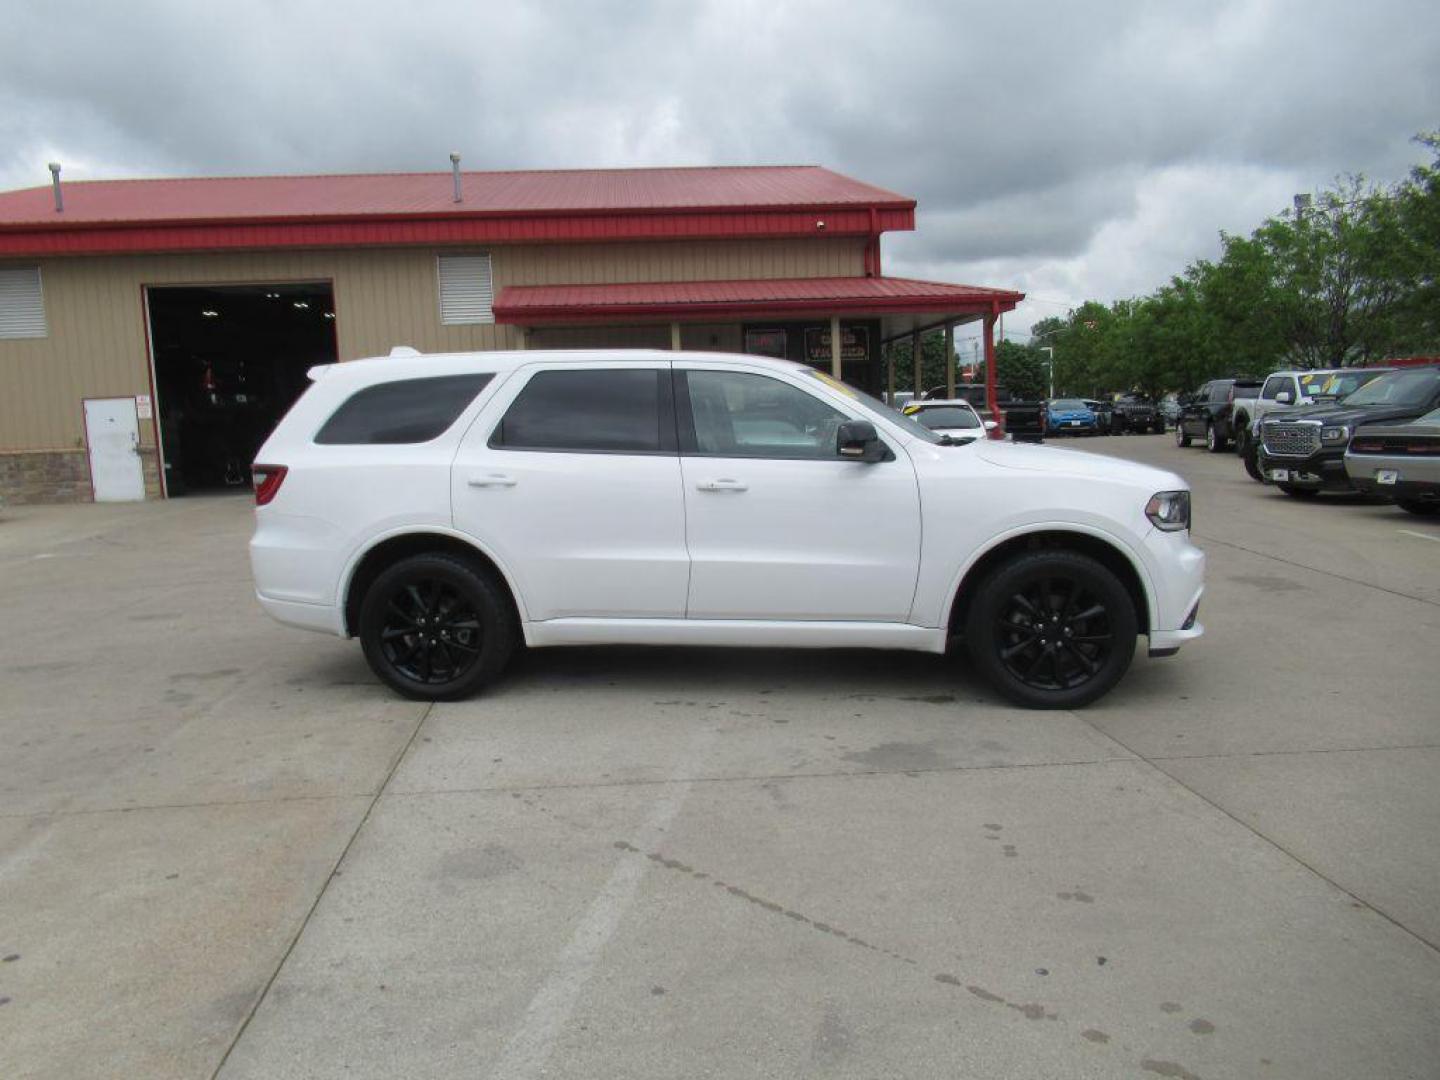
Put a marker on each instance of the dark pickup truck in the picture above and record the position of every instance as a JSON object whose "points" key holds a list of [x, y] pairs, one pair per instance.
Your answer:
{"points": [[1136, 412], [1209, 412], [1303, 451]]}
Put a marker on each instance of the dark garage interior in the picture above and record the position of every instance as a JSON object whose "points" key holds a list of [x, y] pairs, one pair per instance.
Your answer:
{"points": [[229, 361]]}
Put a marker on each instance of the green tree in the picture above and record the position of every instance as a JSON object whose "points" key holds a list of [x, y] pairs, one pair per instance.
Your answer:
{"points": [[1021, 369]]}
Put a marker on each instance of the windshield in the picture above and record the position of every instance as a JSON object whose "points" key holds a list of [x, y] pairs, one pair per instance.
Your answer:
{"points": [[1398, 388], [1335, 383], [876, 406], [948, 416], [1067, 405], [1133, 399]]}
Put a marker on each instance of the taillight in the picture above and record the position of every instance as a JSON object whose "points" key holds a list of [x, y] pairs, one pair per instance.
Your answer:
{"points": [[267, 480]]}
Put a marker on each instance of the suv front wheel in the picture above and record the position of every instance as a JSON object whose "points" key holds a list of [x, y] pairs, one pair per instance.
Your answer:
{"points": [[1052, 629], [436, 628]]}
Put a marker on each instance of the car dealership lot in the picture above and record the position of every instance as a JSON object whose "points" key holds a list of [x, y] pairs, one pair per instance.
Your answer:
{"points": [[223, 846]]}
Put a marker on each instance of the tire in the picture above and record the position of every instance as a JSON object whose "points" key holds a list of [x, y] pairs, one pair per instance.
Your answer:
{"points": [[1072, 669], [1251, 457], [1181, 438], [1242, 437], [1424, 508], [476, 633], [1214, 441], [1298, 492]]}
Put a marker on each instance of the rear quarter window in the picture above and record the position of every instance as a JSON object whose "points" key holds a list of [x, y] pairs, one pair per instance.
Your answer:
{"points": [[404, 411]]}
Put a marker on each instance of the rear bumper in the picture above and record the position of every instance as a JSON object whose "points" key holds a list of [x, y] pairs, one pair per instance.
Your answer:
{"points": [[322, 618]]}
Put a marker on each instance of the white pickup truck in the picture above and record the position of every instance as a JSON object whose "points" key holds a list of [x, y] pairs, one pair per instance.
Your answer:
{"points": [[1284, 390]]}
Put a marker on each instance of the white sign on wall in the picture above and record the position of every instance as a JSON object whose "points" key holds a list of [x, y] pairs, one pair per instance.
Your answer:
{"points": [[142, 407]]}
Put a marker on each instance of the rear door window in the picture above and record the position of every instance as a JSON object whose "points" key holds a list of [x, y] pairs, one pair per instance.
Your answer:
{"points": [[404, 411], [594, 411]]}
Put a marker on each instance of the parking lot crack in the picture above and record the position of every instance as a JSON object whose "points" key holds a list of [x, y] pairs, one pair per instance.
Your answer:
{"points": [[320, 893]]}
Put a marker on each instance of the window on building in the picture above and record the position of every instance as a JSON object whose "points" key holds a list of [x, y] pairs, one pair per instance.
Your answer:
{"points": [[740, 415], [406, 411], [22, 304], [467, 293], [624, 411]]}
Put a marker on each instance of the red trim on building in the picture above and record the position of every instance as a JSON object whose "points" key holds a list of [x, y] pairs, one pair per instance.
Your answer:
{"points": [[532, 305]]}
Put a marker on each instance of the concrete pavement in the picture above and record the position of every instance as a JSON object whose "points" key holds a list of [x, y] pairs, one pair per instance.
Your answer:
{"points": [[225, 850]]}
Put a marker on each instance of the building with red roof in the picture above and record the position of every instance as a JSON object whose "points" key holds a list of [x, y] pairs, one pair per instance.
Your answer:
{"points": [[199, 304]]}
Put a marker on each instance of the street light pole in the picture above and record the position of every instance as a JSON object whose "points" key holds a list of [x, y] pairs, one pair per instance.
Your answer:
{"points": [[1050, 365]]}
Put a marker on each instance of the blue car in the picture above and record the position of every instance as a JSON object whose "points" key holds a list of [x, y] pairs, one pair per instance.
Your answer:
{"points": [[1069, 416]]}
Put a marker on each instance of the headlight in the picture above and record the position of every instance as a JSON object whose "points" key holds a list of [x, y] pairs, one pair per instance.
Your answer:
{"points": [[1169, 510], [1334, 434]]}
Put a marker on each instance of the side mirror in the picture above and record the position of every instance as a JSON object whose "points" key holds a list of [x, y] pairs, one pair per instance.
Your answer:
{"points": [[991, 425], [1284, 397], [856, 440]]}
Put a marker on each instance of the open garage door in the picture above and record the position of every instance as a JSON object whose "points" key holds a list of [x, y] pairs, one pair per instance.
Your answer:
{"points": [[229, 361]]}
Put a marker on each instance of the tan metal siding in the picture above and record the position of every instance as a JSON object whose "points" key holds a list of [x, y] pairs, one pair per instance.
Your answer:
{"points": [[97, 347]]}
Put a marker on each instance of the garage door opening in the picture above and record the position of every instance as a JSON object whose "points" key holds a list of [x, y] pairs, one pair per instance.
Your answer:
{"points": [[229, 361]]}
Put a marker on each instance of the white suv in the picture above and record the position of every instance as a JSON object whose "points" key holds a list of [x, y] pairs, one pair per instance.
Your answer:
{"points": [[444, 508]]}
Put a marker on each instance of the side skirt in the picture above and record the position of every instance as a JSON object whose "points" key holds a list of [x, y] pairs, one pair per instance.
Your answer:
{"points": [[736, 633]]}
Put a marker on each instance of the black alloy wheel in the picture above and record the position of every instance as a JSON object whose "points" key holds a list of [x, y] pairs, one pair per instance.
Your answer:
{"points": [[1214, 441], [1182, 438], [435, 627], [1052, 629]]}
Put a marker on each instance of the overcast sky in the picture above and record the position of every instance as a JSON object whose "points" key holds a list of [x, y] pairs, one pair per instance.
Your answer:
{"points": [[1071, 150]]}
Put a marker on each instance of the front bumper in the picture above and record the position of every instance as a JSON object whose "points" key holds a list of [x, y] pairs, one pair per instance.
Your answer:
{"points": [[1323, 471], [1178, 576], [1416, 476]]}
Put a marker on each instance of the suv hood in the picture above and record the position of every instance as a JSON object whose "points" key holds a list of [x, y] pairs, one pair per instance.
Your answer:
{"points": [[1339, 413], [1058, 462]]}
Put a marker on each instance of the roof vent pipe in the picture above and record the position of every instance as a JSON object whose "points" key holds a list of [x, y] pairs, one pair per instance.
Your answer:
{"points": [[455, 171], [55, 181]]}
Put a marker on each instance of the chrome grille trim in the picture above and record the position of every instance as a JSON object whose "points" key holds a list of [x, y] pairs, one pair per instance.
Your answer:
{"points": [[1291, 439]]}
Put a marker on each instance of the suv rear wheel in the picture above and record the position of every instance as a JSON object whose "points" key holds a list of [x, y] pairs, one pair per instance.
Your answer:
{"points": [[1214, 441], [1052, 629], [436, 628], [1182, 438]]}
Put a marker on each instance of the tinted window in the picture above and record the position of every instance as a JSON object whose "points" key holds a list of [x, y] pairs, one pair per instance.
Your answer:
{"points": [[618, 411], [1219, 391], [741, 415], [948, 417], [407, 411], [1273, 386], [1413, 387], [1067, 405]]}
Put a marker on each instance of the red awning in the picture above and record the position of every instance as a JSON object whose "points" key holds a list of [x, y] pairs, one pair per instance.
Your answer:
{"points": [[690, 301]]}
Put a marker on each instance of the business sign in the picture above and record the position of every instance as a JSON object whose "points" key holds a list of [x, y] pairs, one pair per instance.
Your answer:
{"points": [[765, 343], [854, 344]]}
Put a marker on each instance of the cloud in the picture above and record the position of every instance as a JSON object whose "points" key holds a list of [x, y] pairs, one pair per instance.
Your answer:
{"points": [[1077, 150]]}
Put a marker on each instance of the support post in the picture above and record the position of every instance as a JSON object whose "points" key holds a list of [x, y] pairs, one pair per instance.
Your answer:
{"points": [[889, 374], [524, 338], [950, 361], [990, 401], [835, 367], [915, 357], [675, 337]]}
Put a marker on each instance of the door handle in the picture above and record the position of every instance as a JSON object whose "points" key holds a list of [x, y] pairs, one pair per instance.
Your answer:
{"points": [[723, 485], [492, 480]]}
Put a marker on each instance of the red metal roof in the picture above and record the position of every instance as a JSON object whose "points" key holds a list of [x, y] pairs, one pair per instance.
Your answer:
{"points": [[418, 208], [535, 304], [273, 198]]}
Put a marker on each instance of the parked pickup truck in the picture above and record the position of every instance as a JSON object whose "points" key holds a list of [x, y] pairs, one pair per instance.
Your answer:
{"points": [[1286, 390], [1303, 452], [1210, 412]]}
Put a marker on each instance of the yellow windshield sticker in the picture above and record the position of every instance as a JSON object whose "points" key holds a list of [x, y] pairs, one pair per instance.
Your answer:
{"points": [[835, 384]]}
